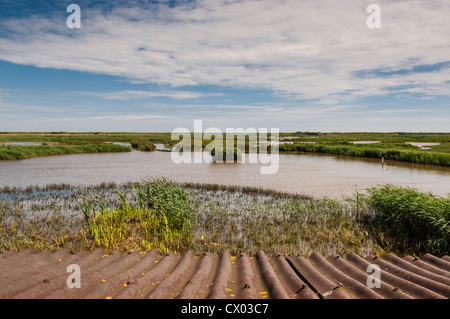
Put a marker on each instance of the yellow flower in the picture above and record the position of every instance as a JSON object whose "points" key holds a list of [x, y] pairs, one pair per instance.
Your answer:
{"points": [[108, 297]]}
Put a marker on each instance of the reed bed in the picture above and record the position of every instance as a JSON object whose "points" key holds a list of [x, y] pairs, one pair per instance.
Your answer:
{"points": [[14, 152]]}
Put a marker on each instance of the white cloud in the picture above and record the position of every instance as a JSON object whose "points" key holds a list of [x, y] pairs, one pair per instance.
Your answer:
{"points": [[127, 95], [304, 49]]}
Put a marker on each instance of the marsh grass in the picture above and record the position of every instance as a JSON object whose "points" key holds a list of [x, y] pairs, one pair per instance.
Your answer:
{"points": [[48, 229], [175, 217], [224, 153], [243, 222]]}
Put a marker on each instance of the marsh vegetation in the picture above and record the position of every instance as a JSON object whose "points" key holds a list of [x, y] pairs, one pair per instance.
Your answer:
{"points": [[391, 146], [402, 152], [175, 217]]}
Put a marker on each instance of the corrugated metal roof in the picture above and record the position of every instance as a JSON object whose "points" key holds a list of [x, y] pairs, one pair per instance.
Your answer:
{"points": [[28, 274]]}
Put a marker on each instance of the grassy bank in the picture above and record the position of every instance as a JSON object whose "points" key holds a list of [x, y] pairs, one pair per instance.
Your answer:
{"points": [[88, 137], [176, 217], [396, 152], [14, 152]]}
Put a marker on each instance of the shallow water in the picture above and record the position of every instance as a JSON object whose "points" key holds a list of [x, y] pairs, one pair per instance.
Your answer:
{"points": [[310, 174]]}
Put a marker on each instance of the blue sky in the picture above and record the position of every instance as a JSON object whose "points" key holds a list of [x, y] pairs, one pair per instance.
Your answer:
{"points": [[158, 65]]}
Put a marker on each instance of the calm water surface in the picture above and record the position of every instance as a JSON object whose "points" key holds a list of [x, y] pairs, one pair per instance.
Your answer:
{"points": [[310, 174]]}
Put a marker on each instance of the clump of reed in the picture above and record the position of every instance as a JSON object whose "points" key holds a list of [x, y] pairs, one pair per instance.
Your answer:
{"points": [[225, 153], [250, 190], [412, 221], [158, 215], [142, 144], [139, 229]]}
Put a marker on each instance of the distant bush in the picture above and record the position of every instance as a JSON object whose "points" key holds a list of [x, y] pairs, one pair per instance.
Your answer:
{"points": [[220, 153], [143, 144]]}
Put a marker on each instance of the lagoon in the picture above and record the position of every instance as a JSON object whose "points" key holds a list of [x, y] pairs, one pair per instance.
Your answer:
{"points": [[317, 175]]}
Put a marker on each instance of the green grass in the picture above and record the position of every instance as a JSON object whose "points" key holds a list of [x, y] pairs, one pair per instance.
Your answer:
{"points": [[160, 217], [14, 152], [444, 147], [88, 137], [130, 228]]}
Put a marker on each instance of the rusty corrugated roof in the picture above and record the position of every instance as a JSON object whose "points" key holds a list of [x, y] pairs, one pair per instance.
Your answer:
{"points": [[28, 274]]}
